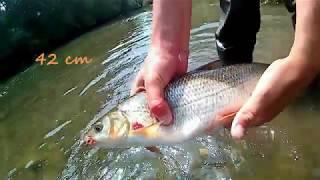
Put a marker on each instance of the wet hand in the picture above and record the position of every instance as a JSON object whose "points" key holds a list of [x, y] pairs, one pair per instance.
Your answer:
{"points": [[280, 84], [157, 71]]}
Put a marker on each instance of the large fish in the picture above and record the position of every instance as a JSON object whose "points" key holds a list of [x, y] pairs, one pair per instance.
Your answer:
{"points": [[200, 100]]}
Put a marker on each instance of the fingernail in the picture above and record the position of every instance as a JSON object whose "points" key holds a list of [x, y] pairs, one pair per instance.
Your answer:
{"points": [[162, 113], [140, 88], [136, 90], [166, 119], [238, 131]]}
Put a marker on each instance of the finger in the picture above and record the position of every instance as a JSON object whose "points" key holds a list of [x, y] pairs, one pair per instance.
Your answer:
{"points": [[138, 84], [155, 96], [258, 107], [246, 117], [241, 124]]}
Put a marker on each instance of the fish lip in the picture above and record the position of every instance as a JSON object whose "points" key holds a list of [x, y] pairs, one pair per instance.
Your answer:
{"points": [[89, 140]]}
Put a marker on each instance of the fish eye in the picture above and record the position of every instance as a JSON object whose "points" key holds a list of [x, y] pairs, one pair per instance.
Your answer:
{"points": [[98, 127]]}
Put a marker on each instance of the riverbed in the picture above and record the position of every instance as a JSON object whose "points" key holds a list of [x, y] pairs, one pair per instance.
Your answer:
{"points": [[44, 109]]}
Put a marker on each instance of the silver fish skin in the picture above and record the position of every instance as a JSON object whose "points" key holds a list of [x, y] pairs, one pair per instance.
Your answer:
{"points": [[195, 99]]}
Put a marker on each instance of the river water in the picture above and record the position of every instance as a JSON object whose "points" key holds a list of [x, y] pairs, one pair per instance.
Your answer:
{"points": [[44, 110]]}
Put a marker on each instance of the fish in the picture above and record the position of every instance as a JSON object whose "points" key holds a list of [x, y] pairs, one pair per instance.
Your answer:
{"points": [[201, 101]]}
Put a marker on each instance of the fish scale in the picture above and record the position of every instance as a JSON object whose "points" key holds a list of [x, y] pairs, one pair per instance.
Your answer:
{"points": [[200, 95], [194, 99]]}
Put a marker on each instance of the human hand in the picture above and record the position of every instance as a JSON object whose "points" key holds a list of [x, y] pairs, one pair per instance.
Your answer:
{"points": [[159, 68], [168, 55], [280, 84], [285, 79]]}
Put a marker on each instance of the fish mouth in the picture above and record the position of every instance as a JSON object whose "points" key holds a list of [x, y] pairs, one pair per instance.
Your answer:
{"points": [[89, 141]]}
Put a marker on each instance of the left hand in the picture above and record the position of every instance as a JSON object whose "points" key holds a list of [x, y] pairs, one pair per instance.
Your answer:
{"points": [[280, 84]]}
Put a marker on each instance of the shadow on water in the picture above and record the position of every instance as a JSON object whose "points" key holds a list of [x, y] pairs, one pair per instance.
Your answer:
{"points": [[45, 108]]}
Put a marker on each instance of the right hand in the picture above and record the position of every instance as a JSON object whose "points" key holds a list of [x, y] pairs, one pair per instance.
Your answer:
{"points": [[158, 69]]}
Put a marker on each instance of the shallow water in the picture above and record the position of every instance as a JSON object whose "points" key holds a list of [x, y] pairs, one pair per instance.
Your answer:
{"points": [[45, 108]]}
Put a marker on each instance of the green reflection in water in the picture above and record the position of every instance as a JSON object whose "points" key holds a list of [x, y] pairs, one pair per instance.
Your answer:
{"points": [[44, 108]]}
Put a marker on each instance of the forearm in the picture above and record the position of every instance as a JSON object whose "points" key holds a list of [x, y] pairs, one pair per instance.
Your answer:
{"points": [[171, 26], [306, 48]]}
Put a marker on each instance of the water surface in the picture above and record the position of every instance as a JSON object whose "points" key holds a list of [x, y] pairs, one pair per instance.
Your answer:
{"points": [[44, 109]]}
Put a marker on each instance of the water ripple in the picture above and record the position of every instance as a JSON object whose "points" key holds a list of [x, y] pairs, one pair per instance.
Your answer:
{"points": [[182, 161]]}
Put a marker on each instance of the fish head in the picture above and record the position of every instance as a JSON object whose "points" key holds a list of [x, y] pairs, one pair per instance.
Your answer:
{"points": [[117, 130], [129, 125], [109, 132]]}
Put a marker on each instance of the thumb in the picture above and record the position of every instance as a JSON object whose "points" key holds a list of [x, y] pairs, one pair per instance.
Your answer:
{"points": [[245, 118], [138, 84], [155, 96]]}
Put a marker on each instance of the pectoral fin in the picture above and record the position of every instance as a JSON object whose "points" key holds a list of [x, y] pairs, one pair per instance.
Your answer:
{"points": [[225, 116], [226, 119], [148, 132]]}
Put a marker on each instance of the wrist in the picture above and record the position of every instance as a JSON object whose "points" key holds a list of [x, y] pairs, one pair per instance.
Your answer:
{"points": [[169, 52], [307, 57], [303, 69]]}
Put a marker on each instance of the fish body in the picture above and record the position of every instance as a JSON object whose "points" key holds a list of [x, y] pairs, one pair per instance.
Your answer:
{"points": [[196, 101]]}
